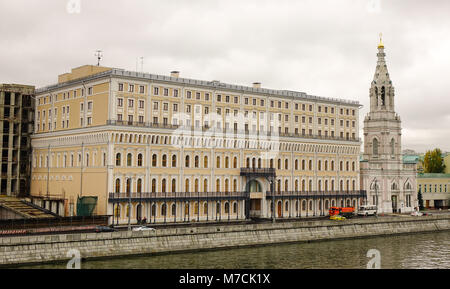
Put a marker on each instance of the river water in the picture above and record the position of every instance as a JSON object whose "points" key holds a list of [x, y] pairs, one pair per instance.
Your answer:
{"points": [[425, 250]]}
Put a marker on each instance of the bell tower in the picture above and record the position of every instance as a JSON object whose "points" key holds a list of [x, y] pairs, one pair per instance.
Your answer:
{"points": [[382, 125]]}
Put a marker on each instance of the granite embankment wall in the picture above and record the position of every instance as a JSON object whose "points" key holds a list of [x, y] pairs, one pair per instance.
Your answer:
{"points": [[51, 248]]}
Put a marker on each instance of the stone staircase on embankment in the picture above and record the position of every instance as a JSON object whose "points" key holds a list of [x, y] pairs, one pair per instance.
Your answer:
{"points": [[23, 209]]}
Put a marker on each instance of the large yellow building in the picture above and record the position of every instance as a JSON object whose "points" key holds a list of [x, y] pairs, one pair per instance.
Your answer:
{"points": [[180, 149]]}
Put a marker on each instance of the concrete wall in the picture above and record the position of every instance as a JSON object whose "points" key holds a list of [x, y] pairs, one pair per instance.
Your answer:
{"points": [[36, 249]]}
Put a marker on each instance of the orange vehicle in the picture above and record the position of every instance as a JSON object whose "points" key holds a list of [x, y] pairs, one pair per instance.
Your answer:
{"points": [[345, 212]]}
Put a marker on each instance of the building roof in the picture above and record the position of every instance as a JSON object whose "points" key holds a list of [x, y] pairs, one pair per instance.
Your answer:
{"points": [[214, 85], [411, 159], [433, 175]]}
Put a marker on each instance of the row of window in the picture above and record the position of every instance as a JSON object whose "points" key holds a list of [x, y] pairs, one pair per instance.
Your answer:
{"points": [[235, 99], [231, 186], [434, 188], [250, 163], [64, 95]]}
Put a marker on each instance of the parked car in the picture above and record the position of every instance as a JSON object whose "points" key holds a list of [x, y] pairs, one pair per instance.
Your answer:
{"points": [[337, 218], [143, 228], [100, 229]]}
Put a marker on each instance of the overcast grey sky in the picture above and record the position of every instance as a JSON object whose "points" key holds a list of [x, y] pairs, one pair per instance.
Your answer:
{"points": [[324, 48]]}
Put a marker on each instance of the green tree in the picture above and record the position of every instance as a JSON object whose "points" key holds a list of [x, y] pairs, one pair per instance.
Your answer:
{"points": [[420, 199], [433, 162]]}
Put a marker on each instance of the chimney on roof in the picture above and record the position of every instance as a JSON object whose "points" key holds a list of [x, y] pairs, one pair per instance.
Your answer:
{"points": [[175, 74], [256, 84]]}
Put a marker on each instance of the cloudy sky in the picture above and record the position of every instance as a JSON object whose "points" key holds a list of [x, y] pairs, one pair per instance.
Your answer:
{"points": [[324, 48]]}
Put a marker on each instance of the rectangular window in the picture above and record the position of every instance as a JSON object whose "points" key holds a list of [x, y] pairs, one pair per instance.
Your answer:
{"points": [[166, 92], [89, 120], [130, 103], [155, 105], [89, 105], [141, 89], [165, 106], [156, 90], [188, 95], [90, 91], [120, 102], [119, 117], [175, 93], [120, 86], [141, 104], [207, 96], [188, 108], [175, 107], [197, 95]]}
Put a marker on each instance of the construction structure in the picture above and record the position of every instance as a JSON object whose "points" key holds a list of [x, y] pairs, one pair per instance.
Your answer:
{"points": [[16, 127]]}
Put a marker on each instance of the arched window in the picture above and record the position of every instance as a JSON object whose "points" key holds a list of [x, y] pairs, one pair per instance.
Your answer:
{"points": [[303, 205], [117, 185], [205, 185], [217, 185], [154, 160], [174, 209], [235, 185], [326, 165], [279, 164], [310, 164], [186, 185], [129, 159], [383, 96], [235, 208], [227, 208], [205, 162], [235, 163], [254, 163], [227, 161], [187, 162], [279, 186], [139, 185], [196, 161], [174, 185], [347, 166], [332, 165], [248, 163], [259, 163], [154, 186], [286, 185], [227, 185], [196, 185], [218, 162], [353, 166], [271, 163], [296, 185], [392, 146], [303, 165], [174, 161], [139, 160], [319, 165], [164, 161], [205, 208], [163, 185], [375, 146], [118, 159], [286, 164], [296, 165], [117, 211], [128, 185], [163, 209]]}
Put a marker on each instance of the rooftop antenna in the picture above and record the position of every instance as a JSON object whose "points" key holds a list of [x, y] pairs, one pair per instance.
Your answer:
{"points": [[99, 55]]}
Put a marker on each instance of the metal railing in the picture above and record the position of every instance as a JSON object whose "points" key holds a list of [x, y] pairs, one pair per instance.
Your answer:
{"points": [[175, 195], [328, 194]]}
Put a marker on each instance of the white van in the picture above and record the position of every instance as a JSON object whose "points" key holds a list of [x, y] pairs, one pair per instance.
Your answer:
{"points": [[367, 210]]}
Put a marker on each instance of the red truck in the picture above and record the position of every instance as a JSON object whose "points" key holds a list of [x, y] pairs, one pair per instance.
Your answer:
{"points": [[342, 211]]}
